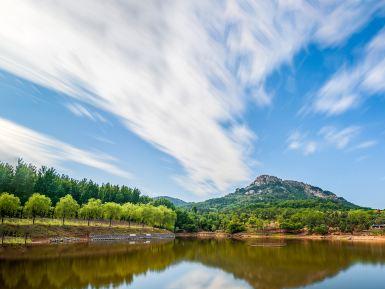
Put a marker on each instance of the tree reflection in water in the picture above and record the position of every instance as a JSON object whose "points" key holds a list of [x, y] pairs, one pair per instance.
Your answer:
{"points": [[298, 264]]}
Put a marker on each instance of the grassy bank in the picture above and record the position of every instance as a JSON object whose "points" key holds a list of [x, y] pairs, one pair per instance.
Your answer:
{"points": [[15, 230]]}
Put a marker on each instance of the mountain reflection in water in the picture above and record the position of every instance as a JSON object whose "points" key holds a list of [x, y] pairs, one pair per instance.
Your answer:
{"points": [[183, 263]]}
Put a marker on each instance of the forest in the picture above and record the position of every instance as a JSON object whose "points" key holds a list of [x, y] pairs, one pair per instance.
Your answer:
{"points": [[29, 192]]}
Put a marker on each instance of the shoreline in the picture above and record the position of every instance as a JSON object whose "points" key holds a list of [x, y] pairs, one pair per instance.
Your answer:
{"points": [[254, 236], [46, 233]]}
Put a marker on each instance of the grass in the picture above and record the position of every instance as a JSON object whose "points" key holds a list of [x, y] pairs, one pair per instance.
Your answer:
{"points": [[16, 240], [44, 228], [71, 222]]}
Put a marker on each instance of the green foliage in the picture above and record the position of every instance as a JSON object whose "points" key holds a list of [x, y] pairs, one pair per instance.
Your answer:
{"points": [[25, 179], [37, 206], [9, 205], [359, 220], [184, 221], [91, 210], [129, 212], [291, 226], [66, 207], [112, 211], [235, 227], [6, 177], [321, 229], [163, 202]]}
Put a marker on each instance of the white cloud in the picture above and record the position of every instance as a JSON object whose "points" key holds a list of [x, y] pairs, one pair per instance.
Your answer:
{"points": [[18, 141], [79, 110], [207, 279], [349, 86], [339, 138], [299, 142], [366, 144], [310, 148], [173, 71]]}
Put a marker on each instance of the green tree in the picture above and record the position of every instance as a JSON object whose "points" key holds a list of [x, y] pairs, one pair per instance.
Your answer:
{"points": [[66, 207], [167, 217], [148, 215], [37, 206], [321, 229], [163, 202], [129, 212], [9, 205], [112, 211], [24, 180], [185, 221], [91, 210], [6, 177], [235, 226], [47, 183], [359, 220]]}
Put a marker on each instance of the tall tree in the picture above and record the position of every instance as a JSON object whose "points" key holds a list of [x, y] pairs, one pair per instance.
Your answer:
{"points": [[24, 180], [47, 183], [91, 210], [9, 205], [129, 212], [112, 211], [37, 206], [66, 207], [6, 177]]}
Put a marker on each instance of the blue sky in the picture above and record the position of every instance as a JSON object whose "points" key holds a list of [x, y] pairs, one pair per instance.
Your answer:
{"points": [[195, 99]]}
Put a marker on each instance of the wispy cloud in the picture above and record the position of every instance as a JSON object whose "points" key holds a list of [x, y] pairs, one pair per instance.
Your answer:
{"points": [[173, 71], [299, 142], [79, 110], [339, 138], [366, 145], [19, 141], [349, 86], [328, 136]]}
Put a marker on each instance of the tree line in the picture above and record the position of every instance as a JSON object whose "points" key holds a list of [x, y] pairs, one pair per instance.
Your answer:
{"points": [[25, 179], [38, 205], [290, 220]]}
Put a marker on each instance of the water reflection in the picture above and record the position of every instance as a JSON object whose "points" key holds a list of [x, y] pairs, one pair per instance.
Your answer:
{"points": [[188, 264]]}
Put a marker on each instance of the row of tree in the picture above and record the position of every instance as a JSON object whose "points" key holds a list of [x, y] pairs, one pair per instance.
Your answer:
{"points": [[25, 179], [39, 205]]}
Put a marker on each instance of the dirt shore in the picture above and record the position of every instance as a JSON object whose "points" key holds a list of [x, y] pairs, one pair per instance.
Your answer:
{"points": [[249, 236]]}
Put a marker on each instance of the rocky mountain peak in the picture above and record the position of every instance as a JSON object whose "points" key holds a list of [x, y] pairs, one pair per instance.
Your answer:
{"points": [[265, 179]]}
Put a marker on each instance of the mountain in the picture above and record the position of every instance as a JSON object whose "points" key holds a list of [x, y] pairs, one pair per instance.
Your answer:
{"points": [[269, 191], [177, 202]]}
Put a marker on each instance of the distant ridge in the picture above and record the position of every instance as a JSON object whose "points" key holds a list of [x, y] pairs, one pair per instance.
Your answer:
{"points": [[177, 202]]}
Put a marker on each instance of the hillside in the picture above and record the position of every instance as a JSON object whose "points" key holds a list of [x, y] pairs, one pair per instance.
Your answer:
{"points": [[177, 202], [269, 191]]}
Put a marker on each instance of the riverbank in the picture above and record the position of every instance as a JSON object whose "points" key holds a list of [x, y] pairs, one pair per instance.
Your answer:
{"points": [[45, 231], [251, 236]]}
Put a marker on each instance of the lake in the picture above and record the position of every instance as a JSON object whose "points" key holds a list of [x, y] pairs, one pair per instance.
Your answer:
{"points": [[195, 264]]}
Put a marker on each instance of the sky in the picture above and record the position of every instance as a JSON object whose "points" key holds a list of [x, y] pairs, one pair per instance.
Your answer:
{"points": [[193, 99]]}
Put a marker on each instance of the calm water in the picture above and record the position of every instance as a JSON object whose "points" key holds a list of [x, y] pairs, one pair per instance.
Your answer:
{"points": [[194, 264]]}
